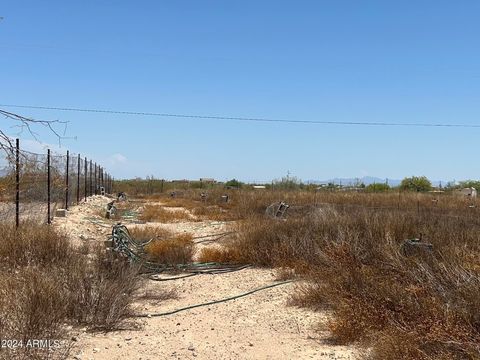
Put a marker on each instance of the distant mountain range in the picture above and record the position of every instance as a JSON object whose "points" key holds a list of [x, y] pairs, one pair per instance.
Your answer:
{"points": [[367, 180]]}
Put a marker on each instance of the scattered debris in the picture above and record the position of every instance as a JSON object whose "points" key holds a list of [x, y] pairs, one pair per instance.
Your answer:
{"points": [[469, 192], [61, 213], [411, 247], [277, 210], [121, 196], [175, 194], [111, 210]]}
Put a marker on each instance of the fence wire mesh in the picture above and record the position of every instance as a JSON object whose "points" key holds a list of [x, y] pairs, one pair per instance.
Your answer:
{"points": [[45, 183], [7, 187], [33, 186]]}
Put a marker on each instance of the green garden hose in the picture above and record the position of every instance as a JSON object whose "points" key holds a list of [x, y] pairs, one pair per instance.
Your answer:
{"points": [[124, 244], [214, 302]]}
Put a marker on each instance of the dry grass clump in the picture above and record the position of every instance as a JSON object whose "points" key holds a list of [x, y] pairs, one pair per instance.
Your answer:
{"points": [[186, 203], [213, 213], [421, 307], [32, 245], [173, 251], [218, 254], [100, 293], [156, 213], [146, 232], [267, 242], [46, 283]]}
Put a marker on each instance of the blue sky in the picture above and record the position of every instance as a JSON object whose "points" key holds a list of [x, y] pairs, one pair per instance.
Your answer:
{"points": [[386, 61]]}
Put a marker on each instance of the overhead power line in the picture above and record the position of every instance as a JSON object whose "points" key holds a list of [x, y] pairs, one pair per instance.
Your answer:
{"points": [[235, 118]]}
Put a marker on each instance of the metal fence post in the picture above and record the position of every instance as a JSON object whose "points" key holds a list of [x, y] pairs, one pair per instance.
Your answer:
{"points": [[86, 177], [66, 180], [17, 183], [95, 180], [91, 166], [49, 217], [78, 179]]}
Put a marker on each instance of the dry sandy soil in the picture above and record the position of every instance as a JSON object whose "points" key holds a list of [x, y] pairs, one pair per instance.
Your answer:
{"points": [[259, 326]]}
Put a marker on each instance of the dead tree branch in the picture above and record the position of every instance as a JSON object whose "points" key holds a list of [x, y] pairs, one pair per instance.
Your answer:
{"points": [[28, 124]]}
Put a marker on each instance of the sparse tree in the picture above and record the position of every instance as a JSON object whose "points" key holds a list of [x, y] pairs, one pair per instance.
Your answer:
{"points": [[416, 183], [234, 183], [288, 183], [470, 184]]}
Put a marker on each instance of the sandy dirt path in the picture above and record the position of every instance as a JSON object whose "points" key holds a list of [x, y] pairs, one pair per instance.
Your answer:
{"points": [[259, 326]]}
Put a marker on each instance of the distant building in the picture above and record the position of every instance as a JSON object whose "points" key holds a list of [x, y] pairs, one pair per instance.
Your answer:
{"points": [[207, 180], [470, 192], [259, 187]]}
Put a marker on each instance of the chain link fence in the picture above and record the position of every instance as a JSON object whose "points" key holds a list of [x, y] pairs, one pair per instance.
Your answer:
{"points": [[33, 186]]}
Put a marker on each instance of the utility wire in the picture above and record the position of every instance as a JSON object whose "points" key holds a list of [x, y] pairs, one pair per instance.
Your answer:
{"points": [[246, 119]]}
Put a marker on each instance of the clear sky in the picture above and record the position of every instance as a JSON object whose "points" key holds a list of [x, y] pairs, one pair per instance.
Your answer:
{"points": [[387, 61]]}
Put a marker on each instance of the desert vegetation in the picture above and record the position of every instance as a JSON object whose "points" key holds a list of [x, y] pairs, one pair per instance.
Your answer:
{"points": [[156, 213], [347, 247], [47, 284]]}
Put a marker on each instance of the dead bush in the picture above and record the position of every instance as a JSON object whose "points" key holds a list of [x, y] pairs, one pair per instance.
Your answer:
{"points": [[146, 233], [46, 283], [32, 245], [100, 293], [213, 213], [157, 213], [219, 255], [173, 251]]}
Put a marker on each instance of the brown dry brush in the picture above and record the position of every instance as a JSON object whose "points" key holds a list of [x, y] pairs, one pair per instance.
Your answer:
{"points": [[171, 251], [155, 213], [422, 307], [45, 283], [145, 233], [163, 246]]}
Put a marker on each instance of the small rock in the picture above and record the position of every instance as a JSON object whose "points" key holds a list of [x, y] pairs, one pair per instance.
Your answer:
{"points": [[74, 338], [191, 348], [128, 339], [77, 357], [95, 350]]}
